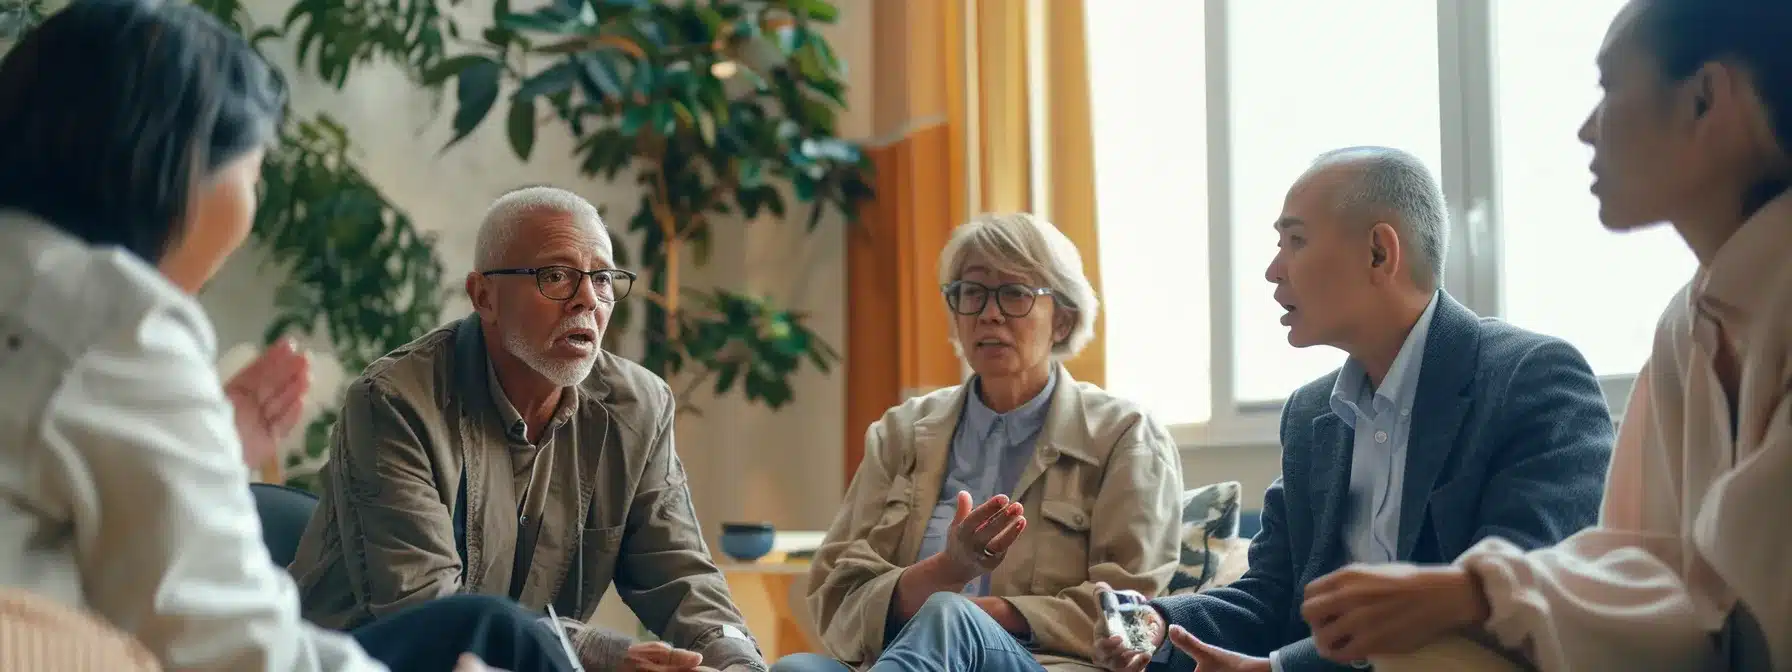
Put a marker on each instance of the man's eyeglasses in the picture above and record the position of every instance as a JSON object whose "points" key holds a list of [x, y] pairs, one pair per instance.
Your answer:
{"points": [[560, 283], [970, 298]]}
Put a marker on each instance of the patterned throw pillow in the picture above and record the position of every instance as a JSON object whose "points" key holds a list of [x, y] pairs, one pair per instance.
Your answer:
{"points": [[1209, 535]]}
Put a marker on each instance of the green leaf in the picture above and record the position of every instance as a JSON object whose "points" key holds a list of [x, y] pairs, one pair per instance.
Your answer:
{"points": [[521, 126], [546, 20], [475, 91], [451, 67], [597, 77], [725, 376], [819, 10], [548, 82]]}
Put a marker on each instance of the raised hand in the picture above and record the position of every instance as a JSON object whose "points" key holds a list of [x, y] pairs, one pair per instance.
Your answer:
{"points": [[269, 397], [979, 537]]}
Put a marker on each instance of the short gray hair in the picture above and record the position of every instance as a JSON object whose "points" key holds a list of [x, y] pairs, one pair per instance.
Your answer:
{"points": [[1388, 183], [1030, 247], [499, 226]]}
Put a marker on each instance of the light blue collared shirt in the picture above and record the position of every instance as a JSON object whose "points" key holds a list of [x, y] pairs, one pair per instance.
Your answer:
{"points": [[1382, 418], [989, 451]]}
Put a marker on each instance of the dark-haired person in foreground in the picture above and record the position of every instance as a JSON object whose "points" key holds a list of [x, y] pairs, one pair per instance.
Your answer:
{"points": [[131, 139], [1687, 569], [1441, 429]]}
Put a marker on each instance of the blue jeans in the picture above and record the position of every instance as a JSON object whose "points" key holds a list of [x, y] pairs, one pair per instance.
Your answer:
{"points": [[948, 634]]}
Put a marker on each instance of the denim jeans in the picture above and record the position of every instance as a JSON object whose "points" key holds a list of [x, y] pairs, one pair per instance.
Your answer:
{"points": [[948, 634]]}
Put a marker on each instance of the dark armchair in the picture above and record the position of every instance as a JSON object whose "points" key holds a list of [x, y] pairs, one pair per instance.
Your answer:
{"points": [[284, 513]]}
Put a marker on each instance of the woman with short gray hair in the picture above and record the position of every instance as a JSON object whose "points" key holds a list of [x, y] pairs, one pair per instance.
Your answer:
{"points": [[933, 556]]}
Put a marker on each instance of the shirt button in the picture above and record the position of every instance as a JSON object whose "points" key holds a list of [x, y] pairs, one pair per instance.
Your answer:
{"points": [[1381, 437]]}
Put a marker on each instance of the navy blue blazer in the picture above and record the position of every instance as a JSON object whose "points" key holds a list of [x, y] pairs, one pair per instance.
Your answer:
{"points": [[1510, 437]]}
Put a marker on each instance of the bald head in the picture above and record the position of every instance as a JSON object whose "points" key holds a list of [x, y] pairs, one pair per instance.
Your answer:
{"points": [[1381, 184], [522, 208]]}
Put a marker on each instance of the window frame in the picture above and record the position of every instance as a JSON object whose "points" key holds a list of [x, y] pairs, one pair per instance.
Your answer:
{"points": [[1470, 180]]}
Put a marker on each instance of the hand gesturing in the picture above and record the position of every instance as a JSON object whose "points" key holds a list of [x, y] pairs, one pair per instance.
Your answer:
{"points": [[979, 538], [269, 396]]}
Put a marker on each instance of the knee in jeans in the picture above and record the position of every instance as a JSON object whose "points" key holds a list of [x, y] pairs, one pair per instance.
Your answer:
{"points": [[946, 606], [807, 662]]}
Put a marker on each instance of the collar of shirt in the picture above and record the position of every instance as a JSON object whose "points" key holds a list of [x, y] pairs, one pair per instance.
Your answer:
{"points": [[981, 421], [1730, 288], [515, 427], [1397, 390]]}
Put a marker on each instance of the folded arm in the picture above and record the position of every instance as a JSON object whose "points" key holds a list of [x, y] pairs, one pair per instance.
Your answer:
{"points": [[665, 573], [172, 553], [397, 534], [1134, 544]]}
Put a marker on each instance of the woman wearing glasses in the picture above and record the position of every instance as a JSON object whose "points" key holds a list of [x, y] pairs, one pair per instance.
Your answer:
{"points": [[983, 513]]}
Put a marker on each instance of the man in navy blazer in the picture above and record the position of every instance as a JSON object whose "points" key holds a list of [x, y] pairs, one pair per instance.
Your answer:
{"points": [[1441, 428]]}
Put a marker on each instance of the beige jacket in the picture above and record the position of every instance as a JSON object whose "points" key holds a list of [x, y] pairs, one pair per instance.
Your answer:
{"points": [[122, 486], [1693, 524], [420, 438], [1102, 496]]}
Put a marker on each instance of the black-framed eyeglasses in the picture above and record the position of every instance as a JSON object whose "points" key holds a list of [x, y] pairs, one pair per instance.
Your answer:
{"points": [[1013, 300], [561, 283]]}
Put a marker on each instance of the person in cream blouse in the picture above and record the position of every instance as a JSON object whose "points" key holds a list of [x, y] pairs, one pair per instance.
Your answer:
{"points": [[983, 514]]}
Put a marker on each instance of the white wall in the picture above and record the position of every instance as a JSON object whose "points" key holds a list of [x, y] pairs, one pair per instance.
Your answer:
{"points": [[745, 462]]}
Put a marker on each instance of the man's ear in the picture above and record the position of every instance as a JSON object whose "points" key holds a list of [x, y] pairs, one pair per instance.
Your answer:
{"points": [[1063, 322], [479, 292], [1384, 249]]}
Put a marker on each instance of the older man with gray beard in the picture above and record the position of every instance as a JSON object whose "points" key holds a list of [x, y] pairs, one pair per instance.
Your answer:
{"points": [[506, 453]]}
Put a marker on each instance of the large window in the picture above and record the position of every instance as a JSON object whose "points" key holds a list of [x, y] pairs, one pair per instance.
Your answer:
{"points": [[1330, 75], [1205, 113], [1151, 186], [1559, 271]]}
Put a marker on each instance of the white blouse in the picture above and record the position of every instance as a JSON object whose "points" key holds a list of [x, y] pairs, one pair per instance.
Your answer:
{"points": [[122, 483]]}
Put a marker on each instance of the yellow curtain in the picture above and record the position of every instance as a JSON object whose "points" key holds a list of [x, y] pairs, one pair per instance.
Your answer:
{"points": [[1031, 69], [896, 326]]}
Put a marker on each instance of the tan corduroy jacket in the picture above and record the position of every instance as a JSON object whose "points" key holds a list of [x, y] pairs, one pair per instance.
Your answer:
{"points": [[420, 501], [1102, 496]]}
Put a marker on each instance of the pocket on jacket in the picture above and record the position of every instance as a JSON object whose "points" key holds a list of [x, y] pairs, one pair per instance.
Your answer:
{"points": [[1061, 546]]}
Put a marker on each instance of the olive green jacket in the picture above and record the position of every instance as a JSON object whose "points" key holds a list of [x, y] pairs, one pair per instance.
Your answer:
{"points": [[419, 502]]}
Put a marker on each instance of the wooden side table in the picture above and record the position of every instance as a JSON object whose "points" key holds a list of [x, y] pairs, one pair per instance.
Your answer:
{"points": [[770, 594]]}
